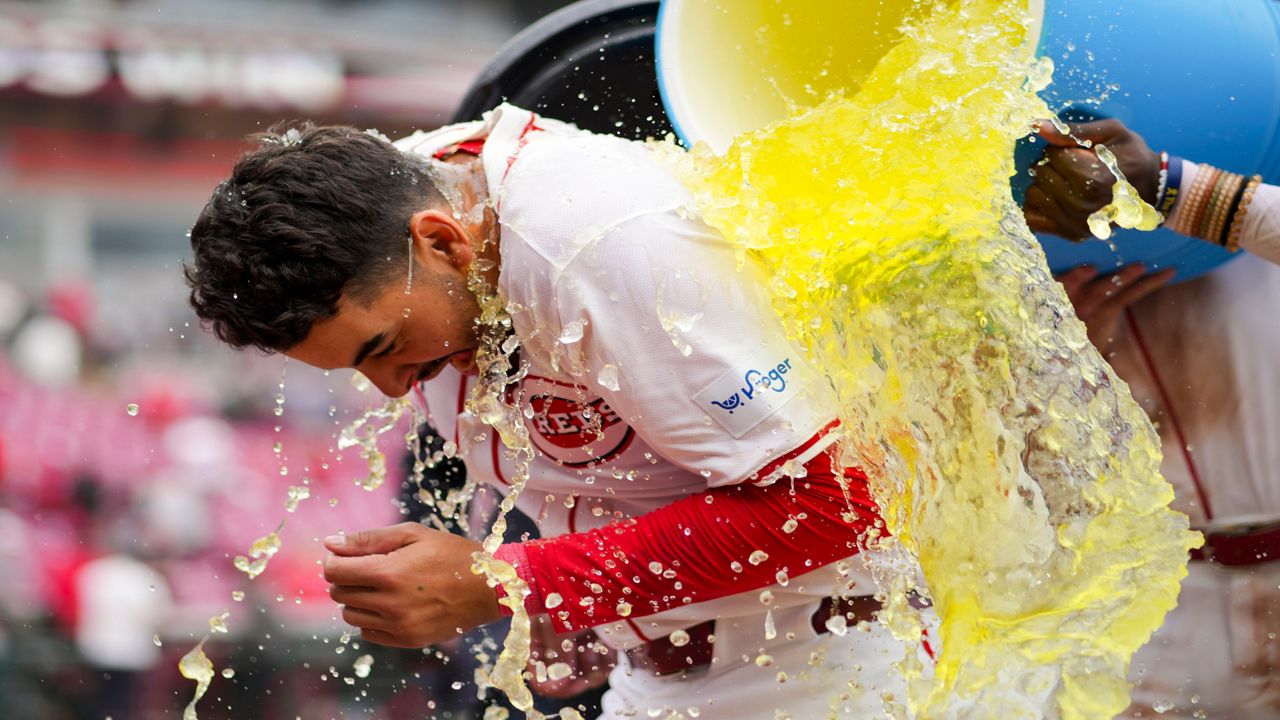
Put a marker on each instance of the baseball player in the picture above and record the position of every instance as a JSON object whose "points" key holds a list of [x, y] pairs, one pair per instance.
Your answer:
{"points": [[691, 510]]}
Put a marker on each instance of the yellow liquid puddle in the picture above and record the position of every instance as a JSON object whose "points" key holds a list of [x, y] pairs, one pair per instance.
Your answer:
{"points": [[1006, 456]]}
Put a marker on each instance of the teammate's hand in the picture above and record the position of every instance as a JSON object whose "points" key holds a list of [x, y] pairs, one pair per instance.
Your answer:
{"points": [[1074, 184], [586, 656], [408, 586], [1100, 300]]}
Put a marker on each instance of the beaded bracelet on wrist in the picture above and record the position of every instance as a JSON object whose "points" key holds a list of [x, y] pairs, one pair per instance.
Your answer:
{"points": [[1224, 194], [1217, 206], [1191, 213], [1241, 184], [1237, 222]]}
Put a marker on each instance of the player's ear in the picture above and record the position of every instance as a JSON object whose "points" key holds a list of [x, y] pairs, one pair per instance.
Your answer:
{"points": [[439, 237]]}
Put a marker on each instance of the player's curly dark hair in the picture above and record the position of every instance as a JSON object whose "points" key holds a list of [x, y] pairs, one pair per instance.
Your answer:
{"points": [[308, 215]]}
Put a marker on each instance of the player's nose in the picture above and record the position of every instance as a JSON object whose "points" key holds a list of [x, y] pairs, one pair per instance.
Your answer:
{"points": [[388, 381]]}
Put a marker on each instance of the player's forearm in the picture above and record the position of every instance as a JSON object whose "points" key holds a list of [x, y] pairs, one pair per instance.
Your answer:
{"points": [[716, 543]]}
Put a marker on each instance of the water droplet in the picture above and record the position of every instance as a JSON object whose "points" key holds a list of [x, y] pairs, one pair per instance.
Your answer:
{"points": [[362, 665], [837, 625], [361, 383], [228, 673], [297, 493], [553, 601], [679, 638], [218, 623], [608, 377], [572, 333], [132, 409], [758, 557]]}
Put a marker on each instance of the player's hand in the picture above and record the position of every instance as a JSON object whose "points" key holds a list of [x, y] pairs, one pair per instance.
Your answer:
{"points": [[1074, 184], [1099, 300], [408, 586], [587, 657]]}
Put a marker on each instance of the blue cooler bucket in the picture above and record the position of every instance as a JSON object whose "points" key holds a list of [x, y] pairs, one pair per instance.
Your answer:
{"points": [[1197, 78]]}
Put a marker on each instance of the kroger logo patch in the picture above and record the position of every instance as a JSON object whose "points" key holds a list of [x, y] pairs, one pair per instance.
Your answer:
{"points": [[743, 397]]}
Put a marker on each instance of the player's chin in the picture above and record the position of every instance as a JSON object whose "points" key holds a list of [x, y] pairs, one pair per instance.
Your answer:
{"points": [[396, 393]]}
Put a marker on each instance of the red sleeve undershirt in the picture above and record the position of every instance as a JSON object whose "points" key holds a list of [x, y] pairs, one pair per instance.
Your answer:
{"points": [[697, 540]]}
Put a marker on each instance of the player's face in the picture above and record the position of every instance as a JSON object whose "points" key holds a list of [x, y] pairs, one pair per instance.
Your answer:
{"points": [[400, 338]]}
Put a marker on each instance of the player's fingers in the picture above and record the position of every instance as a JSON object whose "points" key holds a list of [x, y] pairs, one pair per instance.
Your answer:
{"points": [[1089, 179], [1057, 186], [1074, 280], [1098, 292], [1064, 225], [374, 541], [1143, 287], [361, 618], [1039, 223], [362, 597], [360, 571], [1099, 131], [1047, 130], [382, 637]]}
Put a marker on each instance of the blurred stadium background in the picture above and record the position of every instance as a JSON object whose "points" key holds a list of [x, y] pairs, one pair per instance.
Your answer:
{"points": [[116, 120]]}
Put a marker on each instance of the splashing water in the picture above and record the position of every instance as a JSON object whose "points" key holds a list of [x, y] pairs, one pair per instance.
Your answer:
{"points": [[365, 431], [488, 402], [260, 553], [1126, 209], [195, 665], [296, 494], [1005, 455], [218, 623], [362, 666]]}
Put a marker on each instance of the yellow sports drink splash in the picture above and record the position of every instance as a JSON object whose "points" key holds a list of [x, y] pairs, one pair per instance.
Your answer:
{"points": [[1006, 456]]}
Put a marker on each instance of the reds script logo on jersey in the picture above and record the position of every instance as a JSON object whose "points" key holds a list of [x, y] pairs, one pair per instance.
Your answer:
{"points": [[571, 427]]}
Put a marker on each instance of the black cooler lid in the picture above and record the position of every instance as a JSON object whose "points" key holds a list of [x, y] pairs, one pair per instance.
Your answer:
{"points": [[590, 63]]}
